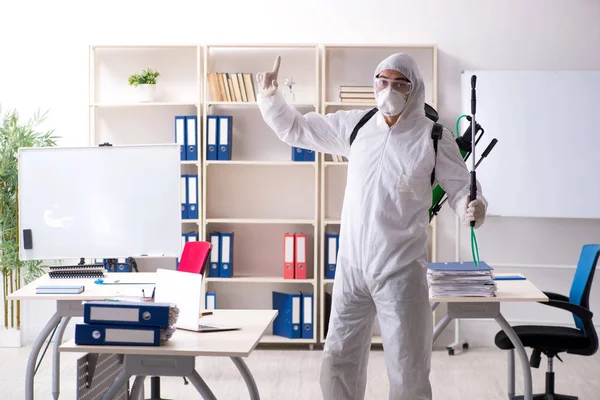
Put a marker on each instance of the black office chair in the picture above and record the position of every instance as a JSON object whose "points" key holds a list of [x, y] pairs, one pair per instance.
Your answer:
{"points": [[552, 340]]}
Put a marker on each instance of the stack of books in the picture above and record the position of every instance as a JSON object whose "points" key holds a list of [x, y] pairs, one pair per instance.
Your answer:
{"points": [[460, 279], [124, 323], [336, 158], [231, 87], [357, 94]]}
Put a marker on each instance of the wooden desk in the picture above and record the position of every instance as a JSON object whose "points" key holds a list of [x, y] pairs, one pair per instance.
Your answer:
{"points": [[177, 356], [70, 305], [489, 307]]}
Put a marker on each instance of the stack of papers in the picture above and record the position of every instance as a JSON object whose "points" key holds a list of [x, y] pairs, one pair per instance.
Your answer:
{"points": [[460, 279]]}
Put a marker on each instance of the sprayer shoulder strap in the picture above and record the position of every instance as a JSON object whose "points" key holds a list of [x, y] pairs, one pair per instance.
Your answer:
{"points": [[361, 123], [436, 134]]}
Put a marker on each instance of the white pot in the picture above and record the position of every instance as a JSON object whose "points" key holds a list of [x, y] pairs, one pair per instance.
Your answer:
{"points": [[146, 92]]}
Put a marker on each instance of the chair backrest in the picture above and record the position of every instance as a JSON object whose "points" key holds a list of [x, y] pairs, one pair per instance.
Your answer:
{"points": [[194, 257], [582, 281]]}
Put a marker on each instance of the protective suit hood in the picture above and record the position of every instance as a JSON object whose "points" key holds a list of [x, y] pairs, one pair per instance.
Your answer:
{"points": [[406, 65]]}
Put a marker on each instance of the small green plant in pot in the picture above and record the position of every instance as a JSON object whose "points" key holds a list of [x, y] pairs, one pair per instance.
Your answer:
{"points": [[145, 83]]}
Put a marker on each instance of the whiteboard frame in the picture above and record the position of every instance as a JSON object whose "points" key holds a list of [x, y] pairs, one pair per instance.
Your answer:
{"points": [[537, 113], [166, 241]]}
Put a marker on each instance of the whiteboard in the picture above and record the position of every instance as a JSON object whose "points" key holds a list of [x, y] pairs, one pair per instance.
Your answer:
{"points": [[546, 162], [100, 202]]}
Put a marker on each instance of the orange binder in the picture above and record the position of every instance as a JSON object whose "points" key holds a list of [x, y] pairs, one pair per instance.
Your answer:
{"points": [[288, 256], [300, 250]]}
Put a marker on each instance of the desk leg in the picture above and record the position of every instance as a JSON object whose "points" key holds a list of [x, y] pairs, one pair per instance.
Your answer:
{"points": [[201, 386], [440, 326], [137, 389], [116, 385], [521, 352], [35, 351], [511, 373], [248, 378], [56, 357]]}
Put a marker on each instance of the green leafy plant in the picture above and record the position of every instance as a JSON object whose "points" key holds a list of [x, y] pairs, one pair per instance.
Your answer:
{"points": [[147, 77], [15, 134]]}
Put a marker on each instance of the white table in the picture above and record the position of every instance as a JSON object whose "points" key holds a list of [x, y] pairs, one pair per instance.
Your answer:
{"points": [[69, 305], [489, 307], [177, 356]]}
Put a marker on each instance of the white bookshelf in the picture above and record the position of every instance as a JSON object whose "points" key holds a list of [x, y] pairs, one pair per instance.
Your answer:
{"points": [[261, 194], [354, 65], [117, 116]]}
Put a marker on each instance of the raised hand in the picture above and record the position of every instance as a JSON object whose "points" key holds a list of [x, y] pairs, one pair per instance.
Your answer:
{"points": [[267, 81]]}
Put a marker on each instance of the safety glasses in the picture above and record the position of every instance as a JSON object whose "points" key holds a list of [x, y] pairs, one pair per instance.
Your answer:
{"points": [[402, 86]]}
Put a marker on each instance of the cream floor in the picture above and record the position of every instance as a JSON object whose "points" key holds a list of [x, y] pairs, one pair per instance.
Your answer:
{"points": [[293, 374]]}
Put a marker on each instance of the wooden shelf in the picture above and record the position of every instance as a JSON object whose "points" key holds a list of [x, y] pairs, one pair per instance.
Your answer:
{"points": [[340, 104], [260, 279], [263, 163], [144, 46], [190, 221], [332, 222], [143, 104], [281, 339], [254, 104], [260, 221]]}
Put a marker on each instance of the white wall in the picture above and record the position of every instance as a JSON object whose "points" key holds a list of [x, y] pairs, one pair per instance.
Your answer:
{"points": [[44, 63]]}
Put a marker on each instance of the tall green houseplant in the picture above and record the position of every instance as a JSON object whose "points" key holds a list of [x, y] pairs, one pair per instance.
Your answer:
{"points": [[15, 134]]}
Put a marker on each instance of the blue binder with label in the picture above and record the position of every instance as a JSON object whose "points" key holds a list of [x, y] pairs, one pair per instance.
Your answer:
{"points": [[309, 155], [184, 196], [307, 316], [225, 136], [115, 335], [297, 154], [214, 270], [180, 136], [123, 266], [226, 260], [191, 135], [331, 252], [191, 237], [192, 196], [211, 301], [126, 313], [212, 137], [287, 323]]}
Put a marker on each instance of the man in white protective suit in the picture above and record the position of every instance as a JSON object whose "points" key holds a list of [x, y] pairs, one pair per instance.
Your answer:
{"points": [[382, 267]]}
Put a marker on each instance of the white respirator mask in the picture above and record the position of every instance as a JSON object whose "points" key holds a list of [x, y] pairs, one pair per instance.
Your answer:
{"points": [[390, 102]]}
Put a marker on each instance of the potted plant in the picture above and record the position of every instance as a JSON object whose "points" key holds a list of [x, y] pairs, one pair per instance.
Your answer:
{"points": [[15, 134], [145, 83]]}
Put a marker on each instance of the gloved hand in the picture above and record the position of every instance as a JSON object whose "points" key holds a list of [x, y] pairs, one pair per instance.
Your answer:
{"points": [[475, 211], [267, 81]]}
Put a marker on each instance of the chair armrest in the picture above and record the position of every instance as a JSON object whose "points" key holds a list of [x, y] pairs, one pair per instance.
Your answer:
{"points": [[581, 312], [556, 296]]}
